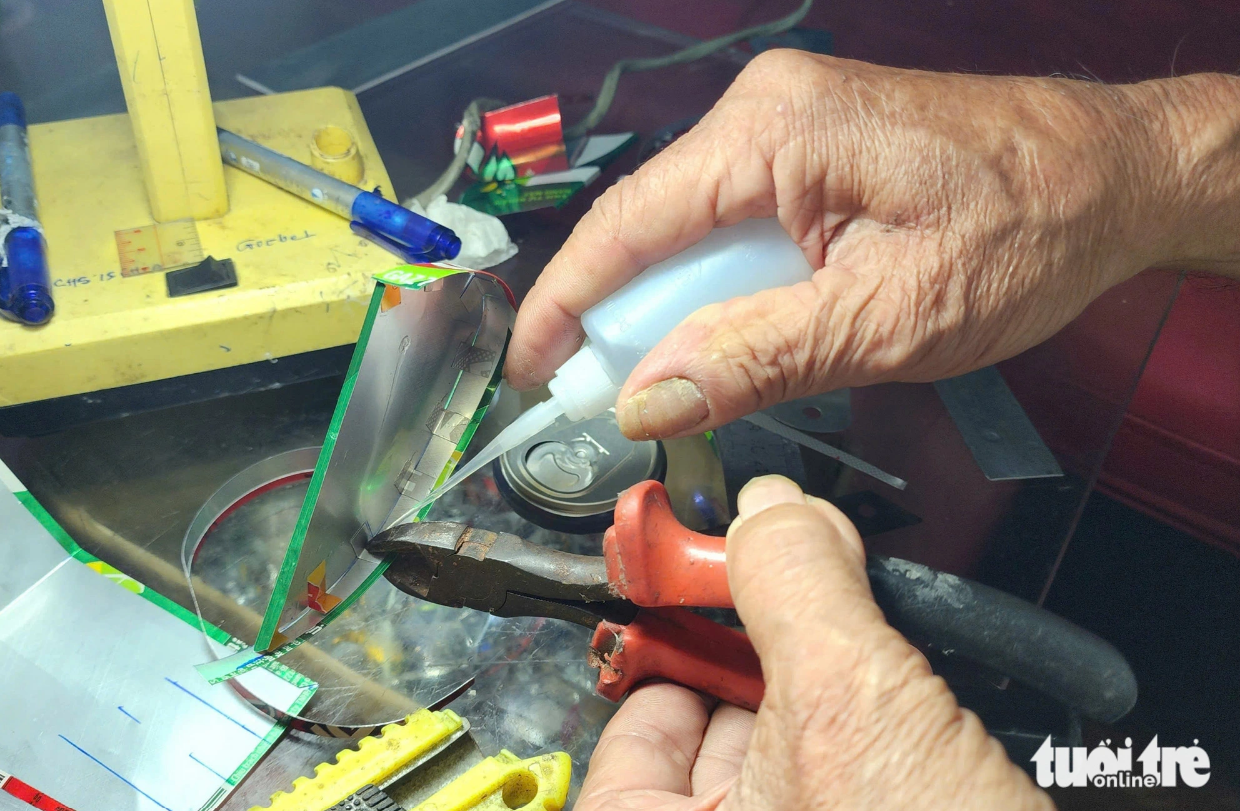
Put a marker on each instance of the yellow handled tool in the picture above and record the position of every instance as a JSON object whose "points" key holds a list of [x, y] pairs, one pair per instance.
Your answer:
{"points": [[385, 773]]}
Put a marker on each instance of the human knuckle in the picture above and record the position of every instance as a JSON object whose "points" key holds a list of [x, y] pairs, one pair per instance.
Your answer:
{"points": [[768, 539], [785, 520], [754, 543], [606, 212], [763, 350], [613, 215], [773, 65], [852, 728], [819, 712]]}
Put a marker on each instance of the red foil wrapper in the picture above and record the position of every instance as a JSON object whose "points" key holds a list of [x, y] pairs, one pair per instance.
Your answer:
{"points": [[520, 140]]}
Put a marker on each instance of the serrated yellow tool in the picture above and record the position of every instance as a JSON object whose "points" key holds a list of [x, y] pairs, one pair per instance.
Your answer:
{"points": [[377, 760], [392, 759], [504, 782]]}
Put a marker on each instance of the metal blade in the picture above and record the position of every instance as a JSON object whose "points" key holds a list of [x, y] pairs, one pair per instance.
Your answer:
{"points": [[997, 430], [776, 427]]}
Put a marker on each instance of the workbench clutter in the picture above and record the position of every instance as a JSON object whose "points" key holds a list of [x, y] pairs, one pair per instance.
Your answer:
{"points": [[101, 717], [184, 262], [519, 159], [214, 247]]}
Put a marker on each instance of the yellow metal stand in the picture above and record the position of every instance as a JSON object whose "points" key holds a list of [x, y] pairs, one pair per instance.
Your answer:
{"points": [[159, 55], [303, 276]]}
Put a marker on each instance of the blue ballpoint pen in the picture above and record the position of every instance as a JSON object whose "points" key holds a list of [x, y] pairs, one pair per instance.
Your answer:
{"points": [[416, 238], [25, 286]]}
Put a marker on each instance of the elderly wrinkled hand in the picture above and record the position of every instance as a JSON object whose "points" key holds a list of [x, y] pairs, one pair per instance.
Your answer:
{"points": [[955, 221], [852, 717]]}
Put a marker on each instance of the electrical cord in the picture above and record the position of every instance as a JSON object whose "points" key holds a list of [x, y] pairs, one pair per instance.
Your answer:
{"points": [[472, 119], [607, 92]]}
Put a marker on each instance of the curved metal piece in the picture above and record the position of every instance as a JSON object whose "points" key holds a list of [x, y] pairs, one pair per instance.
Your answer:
{"points": [[244, 486]]}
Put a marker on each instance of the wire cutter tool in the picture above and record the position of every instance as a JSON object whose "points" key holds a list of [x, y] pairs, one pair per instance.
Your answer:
{"points": [[637, 595]]}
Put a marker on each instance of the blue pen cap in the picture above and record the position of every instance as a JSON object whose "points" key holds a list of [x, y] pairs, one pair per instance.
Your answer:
{"points": [[423, 236], [12, 111], [25, 286]]}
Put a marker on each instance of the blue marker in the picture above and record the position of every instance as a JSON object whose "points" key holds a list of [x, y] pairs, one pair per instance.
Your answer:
{"points": [[25, 286], [416, 238]]}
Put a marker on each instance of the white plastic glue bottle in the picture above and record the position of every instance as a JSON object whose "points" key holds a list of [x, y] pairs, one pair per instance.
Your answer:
{"points": [[741, 260]]}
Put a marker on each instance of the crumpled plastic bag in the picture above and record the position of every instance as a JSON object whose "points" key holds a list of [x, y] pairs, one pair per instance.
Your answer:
{"points": [[484, 239]]}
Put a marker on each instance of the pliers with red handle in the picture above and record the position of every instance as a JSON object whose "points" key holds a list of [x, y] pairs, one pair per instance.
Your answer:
{"points": [[653, 568]]}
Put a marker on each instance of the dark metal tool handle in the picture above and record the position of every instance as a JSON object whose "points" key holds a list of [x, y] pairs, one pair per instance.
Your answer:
{"points": [[1006, 634]]}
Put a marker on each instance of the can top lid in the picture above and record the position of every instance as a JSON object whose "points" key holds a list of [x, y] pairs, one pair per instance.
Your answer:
{"points": [[580, 468]]}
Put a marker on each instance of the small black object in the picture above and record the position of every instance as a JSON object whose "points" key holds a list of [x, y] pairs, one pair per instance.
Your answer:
{"points": [[367, 798], [209, 274], [872, 514]]}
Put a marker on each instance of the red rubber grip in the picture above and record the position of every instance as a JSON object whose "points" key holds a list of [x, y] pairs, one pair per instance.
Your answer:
{"points": [[679, 646], [654, 560]]}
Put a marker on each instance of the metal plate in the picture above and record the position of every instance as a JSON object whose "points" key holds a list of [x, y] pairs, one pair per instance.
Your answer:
{"points": [[819, 413], [872, 514], [425, 365], [996, 428]]}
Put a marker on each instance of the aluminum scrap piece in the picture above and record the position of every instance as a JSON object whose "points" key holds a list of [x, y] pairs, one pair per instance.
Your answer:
{"points": [[1004, 442]]}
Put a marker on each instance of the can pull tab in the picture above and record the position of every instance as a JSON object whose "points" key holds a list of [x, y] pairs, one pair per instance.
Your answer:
{"points": [[563, 467]]}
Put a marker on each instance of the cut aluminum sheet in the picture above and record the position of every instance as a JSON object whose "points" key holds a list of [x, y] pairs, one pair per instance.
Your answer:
{"points": [[96, 714], [426, 365], [997, 430]]}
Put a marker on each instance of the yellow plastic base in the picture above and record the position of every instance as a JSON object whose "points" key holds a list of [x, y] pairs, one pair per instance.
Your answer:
{"points": [[303, 276]]}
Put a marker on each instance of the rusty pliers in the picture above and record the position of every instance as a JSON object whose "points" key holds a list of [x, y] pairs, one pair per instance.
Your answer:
{"points": [[636, 596]]}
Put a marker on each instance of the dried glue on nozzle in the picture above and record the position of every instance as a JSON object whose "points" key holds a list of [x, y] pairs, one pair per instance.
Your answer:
{"points": [[741, 260]]}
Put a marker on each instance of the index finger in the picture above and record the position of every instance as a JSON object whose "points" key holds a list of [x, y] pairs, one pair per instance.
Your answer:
{"points": [[667, 205]]}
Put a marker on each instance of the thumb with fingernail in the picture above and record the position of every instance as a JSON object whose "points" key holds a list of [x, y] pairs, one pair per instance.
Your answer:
{"points": [[852, 711]]}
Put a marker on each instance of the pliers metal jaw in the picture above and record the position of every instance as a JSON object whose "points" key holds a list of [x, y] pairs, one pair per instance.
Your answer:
{"points": [[631, 596], [464, 567], [652, 567]]}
